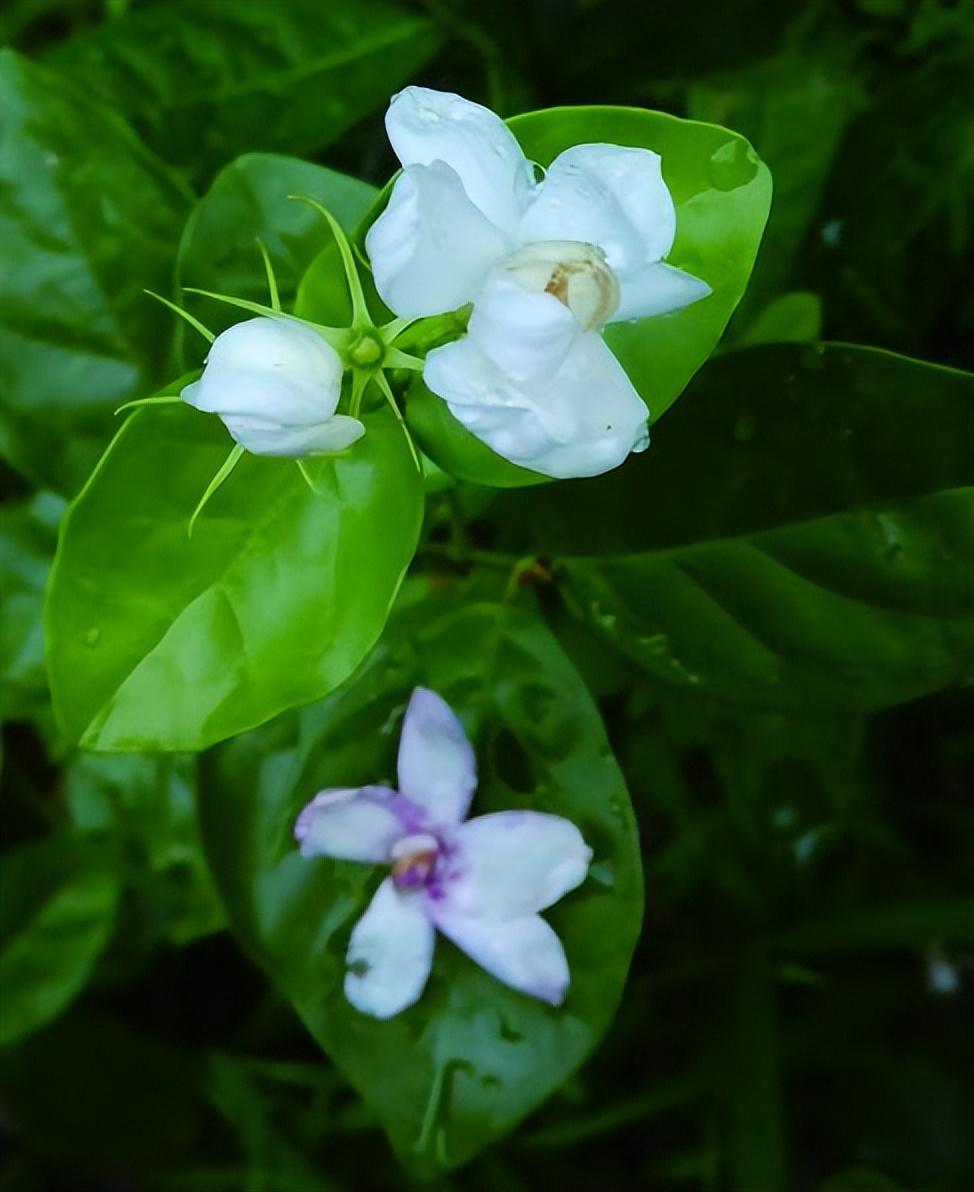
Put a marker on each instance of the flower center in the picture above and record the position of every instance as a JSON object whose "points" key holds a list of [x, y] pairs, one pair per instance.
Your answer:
{"points": [[577, 274], [414, 861]]}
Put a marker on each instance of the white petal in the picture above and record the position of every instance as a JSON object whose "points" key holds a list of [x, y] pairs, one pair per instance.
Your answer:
{"points": [[275, 369], [581, 421], [523, 953], [657, 289], [426, 126], [360, 824], [437, 766], [526, 334], [514, 863], [431, 248], [608, 196], [390, 953], [263, 438]]}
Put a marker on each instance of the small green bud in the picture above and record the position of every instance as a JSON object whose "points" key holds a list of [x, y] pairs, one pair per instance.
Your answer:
{"points": [[366, 351]]}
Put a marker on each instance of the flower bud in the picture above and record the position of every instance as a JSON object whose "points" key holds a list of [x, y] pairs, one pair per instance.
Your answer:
{"points": [[576, 274], [275, 383]]}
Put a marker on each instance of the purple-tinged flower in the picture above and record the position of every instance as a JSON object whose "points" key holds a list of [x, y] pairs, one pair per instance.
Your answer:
{"points": [[481, 882]]}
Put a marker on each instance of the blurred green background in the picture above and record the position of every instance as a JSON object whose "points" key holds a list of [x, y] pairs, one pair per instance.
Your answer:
{"points": [[799, 1012]]}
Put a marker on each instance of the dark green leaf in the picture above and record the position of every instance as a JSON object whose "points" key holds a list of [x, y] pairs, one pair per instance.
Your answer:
{"points": [[794, 109], [465, 1064], [910, 924], [795, 317], [148, 806], [130, 1097], [204, 80], [752, 1080], [794, 544], [28, 536], [88, 217], [57, 910]]}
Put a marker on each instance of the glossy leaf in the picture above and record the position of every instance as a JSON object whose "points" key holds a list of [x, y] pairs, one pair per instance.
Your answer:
{"points": [[28, 536], [147, 806], [203, 80], [158, 640], [88, 217], [471, 1058], [722, 193], [794, 107], [249, 200], [795, 317], [57, 910], [794, 534]]}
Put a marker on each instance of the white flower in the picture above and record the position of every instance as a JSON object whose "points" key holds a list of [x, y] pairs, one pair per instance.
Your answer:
{"points": [[546, 265], [275, 383], [481, 882]]}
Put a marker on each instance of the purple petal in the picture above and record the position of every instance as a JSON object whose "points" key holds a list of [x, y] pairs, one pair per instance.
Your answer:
{"points": [[437, 767], [358, 824], [523, 953]]}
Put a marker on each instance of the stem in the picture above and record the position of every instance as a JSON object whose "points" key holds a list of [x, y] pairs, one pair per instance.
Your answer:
{"points": [[483, 558], [360, 382]]}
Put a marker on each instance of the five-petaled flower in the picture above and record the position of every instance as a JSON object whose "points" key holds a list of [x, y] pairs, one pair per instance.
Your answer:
{"points": [[275, 383], [545, 265], [481, 882]]}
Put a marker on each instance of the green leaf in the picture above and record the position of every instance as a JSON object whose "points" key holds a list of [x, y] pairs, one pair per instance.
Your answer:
{"points": [[28, 536], [893, 256], [471, 1058], [147, 805], [794, 107], [794, 543], [249, 200], [57, 911], [908, 924], [204, 80], [722, 193], [88, 217], [161, 641], [795, 317], [132, 1100], [753, 1110]]}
